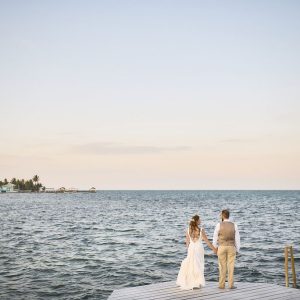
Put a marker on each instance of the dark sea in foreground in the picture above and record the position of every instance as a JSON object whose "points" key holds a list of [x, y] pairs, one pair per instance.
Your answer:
{"points": [[85, 245]]}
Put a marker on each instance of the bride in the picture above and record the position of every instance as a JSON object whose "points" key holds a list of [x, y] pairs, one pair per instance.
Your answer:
{"points": [[191, 273]]}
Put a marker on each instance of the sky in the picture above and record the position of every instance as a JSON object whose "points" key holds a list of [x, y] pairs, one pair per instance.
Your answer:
{"points": [[151, 94]]}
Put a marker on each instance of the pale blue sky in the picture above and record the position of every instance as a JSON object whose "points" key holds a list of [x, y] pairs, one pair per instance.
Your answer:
{"points": [[151, 94]]}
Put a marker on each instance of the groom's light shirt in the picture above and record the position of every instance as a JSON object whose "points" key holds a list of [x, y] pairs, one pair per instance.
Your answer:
{"points": [[237, 236]]}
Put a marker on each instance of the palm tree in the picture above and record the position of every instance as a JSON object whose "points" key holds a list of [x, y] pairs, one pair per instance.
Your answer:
{"points": [[36, 179]]}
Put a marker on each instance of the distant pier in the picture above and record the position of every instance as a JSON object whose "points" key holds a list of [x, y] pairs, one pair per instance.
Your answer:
{"points": [[169, 290], [63, 190], [79, 191]]}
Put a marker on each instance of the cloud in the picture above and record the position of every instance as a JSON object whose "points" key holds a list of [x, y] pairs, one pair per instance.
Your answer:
{"points": [[121, 149], [239, 140], [236, 140]]}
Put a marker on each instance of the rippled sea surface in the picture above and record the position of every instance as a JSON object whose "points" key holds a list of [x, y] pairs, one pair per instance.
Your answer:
{"points": [[85, 245]]}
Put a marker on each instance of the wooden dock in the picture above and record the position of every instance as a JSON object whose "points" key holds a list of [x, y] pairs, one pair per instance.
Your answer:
{"points": [[169, 290]]}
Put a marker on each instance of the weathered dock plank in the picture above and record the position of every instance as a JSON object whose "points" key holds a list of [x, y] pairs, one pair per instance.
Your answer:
{"points": [[169, 290]]}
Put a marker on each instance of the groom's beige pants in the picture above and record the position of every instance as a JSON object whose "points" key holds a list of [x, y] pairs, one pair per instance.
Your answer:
{"points": [[226, 258]]}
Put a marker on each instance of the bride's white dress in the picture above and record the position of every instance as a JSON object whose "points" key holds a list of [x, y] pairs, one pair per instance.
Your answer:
{"points": [[191, 273]]}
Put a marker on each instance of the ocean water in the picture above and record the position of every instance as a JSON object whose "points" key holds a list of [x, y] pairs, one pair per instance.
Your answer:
{"points": [[83, 246]]}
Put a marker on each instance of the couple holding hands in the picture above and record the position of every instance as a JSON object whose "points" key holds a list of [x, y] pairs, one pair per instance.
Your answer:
{"points": [[226, 243]]}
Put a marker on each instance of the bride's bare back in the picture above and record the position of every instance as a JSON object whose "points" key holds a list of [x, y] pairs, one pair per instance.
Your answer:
{"points": [[194, 234]]}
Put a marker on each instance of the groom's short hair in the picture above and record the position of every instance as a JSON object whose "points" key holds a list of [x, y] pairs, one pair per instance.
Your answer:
{"points": [[225, 213]]}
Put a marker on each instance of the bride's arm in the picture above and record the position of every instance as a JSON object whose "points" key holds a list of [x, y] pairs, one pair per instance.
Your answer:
{"points": [[187, 239], [209, 244]]}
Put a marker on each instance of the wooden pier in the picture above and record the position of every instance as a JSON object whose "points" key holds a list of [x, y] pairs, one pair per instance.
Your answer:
{"points": [[169, 290]]}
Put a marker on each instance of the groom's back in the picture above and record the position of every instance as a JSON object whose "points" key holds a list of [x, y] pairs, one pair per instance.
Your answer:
{"points": [[227, 234]]}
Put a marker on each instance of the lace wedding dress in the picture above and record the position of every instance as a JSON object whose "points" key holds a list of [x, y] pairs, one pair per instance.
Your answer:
{"points": [[191, 273]]}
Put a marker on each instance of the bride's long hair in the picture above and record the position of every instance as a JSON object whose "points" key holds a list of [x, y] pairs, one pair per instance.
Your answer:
{"points": [[194, 228]]}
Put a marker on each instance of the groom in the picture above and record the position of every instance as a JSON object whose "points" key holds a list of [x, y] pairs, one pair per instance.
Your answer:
{"points": [[227, 236]]}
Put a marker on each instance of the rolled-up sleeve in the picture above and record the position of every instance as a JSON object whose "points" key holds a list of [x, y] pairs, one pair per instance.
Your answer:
{"points": [[237, 239], [216, 235]]}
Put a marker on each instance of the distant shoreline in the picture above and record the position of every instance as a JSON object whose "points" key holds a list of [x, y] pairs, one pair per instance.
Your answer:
{"points": [[48, 192], [59, 191]]}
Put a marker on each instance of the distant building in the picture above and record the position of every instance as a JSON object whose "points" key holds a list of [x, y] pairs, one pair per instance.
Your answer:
{"points": [[8, 188], [61, 190]]}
